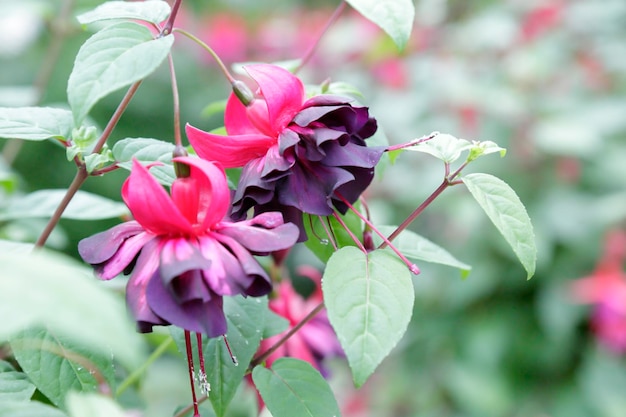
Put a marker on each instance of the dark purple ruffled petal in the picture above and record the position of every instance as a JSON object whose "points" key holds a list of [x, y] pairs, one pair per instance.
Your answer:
{"points": [[195, 314], [263, 233], [310, 190], [352, 155]]}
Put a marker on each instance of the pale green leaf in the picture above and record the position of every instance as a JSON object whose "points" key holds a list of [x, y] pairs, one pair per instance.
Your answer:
{"points": [[58, 365], [93, 405], [294, 388], [395, 17], [147, 151], [443, 146], [44, 289], [35, 123], [28, 409], [369, 298], [418, 248], [8, 246], [153, 11], [114, 57], [14, 385], [483, 148], [507, 213], [43, 203]]}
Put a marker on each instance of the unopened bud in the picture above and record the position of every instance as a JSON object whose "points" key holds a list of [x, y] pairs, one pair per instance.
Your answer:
{"points": [[181, 170], [243, 92]]}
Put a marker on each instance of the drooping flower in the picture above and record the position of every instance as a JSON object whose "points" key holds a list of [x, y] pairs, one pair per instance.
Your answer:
{"points": [[605, 289], [315, 340], [184, 254], [297, 154]]}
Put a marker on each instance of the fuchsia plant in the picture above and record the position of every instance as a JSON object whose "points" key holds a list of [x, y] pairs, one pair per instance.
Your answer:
{"points": [[194, 259]]}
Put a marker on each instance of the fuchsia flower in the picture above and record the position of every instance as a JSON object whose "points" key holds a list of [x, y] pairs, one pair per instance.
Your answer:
{"points": [[183, 253], [296, 153], [605, 288], [313, 342]]}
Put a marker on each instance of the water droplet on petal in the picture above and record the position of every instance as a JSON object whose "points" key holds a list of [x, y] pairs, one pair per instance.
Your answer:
{"points": [[324, 242]]}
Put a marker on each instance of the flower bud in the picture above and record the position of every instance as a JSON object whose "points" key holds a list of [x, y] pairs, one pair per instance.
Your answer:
{"points": [[243, 92]]}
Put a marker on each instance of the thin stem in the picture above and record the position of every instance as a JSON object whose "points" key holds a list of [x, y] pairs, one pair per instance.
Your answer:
{"points": [[176, 102], [412, 267], [190, 407], [207, 48], [230, 352], [82, 174], [328, 230], [167, 29], [347, 229], [309, 53], [196, 413], [263, 356], [121, 108], [412, 143], [80, 177], [447, 182], [137, 373]]}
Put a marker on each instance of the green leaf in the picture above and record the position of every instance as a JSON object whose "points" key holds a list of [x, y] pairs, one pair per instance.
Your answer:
{"points": [[214, 108], [115, 57], [8, 246], [44, 289], [443, 146], [43, 203], [28, 409], [482, 148], [14, 385], [245, 318], [35, 123], [319, 242], [57, 365], [418, 248], [395, 17], [146, 151], [294, 388], [93, 405], [153, 11], [369, 298], [507, 213]]}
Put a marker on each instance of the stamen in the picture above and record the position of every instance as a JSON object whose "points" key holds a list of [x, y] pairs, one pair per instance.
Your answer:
{"points": [[196, 413], [412, 267], [322, 240], [205, 386], [325, 222], [354, 238], [230, 352]]}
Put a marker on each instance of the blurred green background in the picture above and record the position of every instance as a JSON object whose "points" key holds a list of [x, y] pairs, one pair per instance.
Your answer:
{"points": [[545, 79]]}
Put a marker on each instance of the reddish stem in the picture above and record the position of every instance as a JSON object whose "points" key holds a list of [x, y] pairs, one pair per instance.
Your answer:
{"points": [[188, 346], [167, 29], [412, 267], [309, 53], [263, 356]]}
